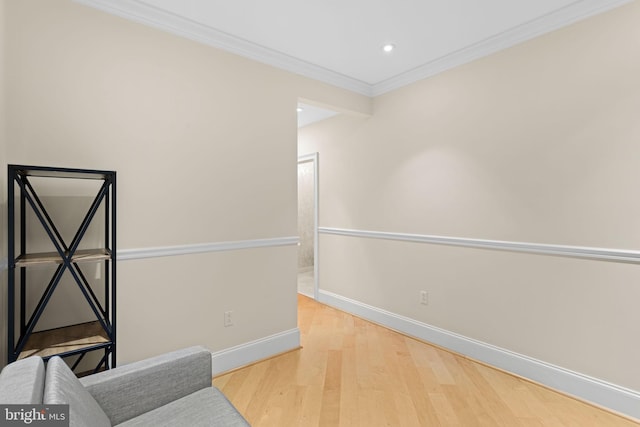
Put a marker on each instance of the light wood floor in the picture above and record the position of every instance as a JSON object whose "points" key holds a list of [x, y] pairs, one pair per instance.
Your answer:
{"points": [[353, 373]]}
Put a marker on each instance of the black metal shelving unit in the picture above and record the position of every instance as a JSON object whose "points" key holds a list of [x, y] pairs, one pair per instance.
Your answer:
{"points": [[24, 337]]}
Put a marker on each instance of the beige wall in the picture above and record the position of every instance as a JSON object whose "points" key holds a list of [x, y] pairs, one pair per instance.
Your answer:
{"points": [[3, 185], [204, 143], [537, 143]]}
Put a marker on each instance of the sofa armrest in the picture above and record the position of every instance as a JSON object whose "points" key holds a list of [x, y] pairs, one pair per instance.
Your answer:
{"points": [[22, 382], [130, 390]]}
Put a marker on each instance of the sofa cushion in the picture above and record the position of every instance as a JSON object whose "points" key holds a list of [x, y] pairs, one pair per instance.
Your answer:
{"points": [[63, 387], [22, 382], [206, 407]]}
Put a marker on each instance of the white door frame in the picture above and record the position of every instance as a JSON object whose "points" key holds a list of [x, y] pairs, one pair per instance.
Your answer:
{"points": [[313, 157]]}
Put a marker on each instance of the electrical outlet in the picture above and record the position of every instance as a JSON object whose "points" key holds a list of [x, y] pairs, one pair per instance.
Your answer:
{"points": [[228, 318], [424, 297]]}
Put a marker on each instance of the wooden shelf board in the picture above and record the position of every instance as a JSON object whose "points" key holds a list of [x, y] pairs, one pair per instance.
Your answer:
{"points": [[49, 172], [54, 257], [61, 340]]}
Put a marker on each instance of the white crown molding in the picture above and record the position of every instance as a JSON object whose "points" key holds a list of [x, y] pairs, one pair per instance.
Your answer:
{"points": [[611, 396], [162, 251], [254, 351], [537, 27], [598, 254], [157, 18]]}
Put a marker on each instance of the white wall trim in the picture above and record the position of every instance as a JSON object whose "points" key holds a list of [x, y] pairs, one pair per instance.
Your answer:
{"points": [[154, 252], [313, 157], [169, 22], [611, 396], [307, 157], [600, 254], [254, 351], [568, 15], [197, 248], [157, 18]]}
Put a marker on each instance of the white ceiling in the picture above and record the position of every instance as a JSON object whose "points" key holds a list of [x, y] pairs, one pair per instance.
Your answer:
{"points": [[340, 41], [308, 114]]}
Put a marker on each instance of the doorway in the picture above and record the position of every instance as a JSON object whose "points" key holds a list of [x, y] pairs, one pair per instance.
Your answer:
{"points": [[308, 225]]}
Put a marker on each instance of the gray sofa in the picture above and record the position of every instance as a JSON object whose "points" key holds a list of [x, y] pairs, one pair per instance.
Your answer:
{"points": [[173, 389]]}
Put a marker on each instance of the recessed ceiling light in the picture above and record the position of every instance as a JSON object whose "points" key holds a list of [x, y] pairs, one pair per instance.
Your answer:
{"points": [[388, 47]]}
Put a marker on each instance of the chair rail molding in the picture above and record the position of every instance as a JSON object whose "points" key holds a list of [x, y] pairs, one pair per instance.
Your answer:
{"points": [[599, 254], [197, 248]]}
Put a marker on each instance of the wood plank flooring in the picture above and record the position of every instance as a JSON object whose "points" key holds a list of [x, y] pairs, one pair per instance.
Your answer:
{"points": [[351, 372]]}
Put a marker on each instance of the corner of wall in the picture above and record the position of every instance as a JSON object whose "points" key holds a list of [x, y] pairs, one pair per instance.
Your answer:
{"points": [[3, 185]]}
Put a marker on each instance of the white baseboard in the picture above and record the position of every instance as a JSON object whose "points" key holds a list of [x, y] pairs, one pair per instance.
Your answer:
{"points": [[601, 393], [245, 354]]}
